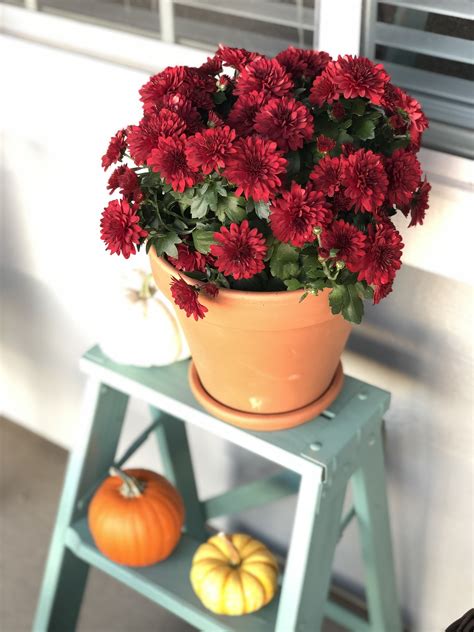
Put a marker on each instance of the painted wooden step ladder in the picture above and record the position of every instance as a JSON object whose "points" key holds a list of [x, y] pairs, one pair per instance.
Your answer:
{"points": [[319, 459]]}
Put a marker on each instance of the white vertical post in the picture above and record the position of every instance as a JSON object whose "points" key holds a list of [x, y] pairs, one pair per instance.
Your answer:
{"points": [[338, 26], [167, 21], [32, 5]]}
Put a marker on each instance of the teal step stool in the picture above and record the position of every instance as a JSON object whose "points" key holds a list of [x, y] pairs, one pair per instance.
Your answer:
{"points": [[319, 459]]}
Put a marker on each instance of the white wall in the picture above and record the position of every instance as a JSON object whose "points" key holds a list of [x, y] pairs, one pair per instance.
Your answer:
{"points": [[58, 110]]}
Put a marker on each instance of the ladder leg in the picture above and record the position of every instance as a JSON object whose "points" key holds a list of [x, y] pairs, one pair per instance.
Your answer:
{"points": [[313, 542], [174, 449], [370, 502], [65, 575]]}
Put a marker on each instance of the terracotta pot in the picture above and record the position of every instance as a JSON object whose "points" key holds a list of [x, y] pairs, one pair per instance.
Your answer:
{"points": [[262, 359]]}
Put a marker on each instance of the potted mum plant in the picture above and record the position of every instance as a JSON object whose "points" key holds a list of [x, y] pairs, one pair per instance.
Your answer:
{"points": [[265, 190]]}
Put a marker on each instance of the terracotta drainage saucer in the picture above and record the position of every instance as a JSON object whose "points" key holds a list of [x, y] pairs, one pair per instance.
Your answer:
{"points": [[265, 422]]}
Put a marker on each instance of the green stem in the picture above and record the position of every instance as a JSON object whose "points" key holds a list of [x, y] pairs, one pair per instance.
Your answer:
{"points": [[131, 486]]}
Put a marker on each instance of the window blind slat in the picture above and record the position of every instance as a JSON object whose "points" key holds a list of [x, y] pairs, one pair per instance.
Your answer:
{"points": [[431, 83], [435, 109], [417, 41], [455, 8], [270, 12]]}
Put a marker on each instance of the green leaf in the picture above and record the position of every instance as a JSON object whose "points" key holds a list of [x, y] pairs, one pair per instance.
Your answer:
{"points": [[219, 97], [363, 128], [358, 107], [202, 240], [293, 284], [338, 298], [294, 162], [284, 262], [199, 207], [166, 244], [354, 310], [233, 207], [262, 209], [312, 267]]}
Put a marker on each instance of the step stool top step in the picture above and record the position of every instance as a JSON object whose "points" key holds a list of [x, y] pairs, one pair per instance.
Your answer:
{"points": [[352, 417]]}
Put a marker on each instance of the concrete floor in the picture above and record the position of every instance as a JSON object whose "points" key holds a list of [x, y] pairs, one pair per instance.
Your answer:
{"points": [[31, 474]]}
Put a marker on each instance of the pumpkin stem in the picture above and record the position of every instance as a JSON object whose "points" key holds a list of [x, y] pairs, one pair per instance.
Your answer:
{"points": [[131, 486], [232, 552], [146, 290]]}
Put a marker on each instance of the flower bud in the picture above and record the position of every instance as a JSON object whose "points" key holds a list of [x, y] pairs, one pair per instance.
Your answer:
{"points": [[340, 264]]}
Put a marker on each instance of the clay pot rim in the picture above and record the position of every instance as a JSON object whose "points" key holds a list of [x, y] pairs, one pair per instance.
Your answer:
{"points": [[231, 293]]}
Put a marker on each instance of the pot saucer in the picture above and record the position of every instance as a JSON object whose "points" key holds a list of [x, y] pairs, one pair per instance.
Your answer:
{"points": [[265, 422]]}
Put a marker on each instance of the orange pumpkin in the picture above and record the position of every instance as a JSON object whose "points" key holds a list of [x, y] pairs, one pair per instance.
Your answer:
{"points": [[136, 517]]}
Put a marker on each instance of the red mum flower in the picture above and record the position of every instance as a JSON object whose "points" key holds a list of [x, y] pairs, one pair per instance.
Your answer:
{"points": [[326, 175], [208, 150], [120, 228], [125, 179], [294, 216], [115, 150], [210, 289], [323, 90], [365, 180], [404, 174], [169, 159], [286, 121], [419, 204], [243, 113], [214, 120], [185, 109], [359, 77], [254, 166], [381, 291], [338, 111], [396, 100], [264, 75], [169, 81], [199, 89], [349, 241], [240, 251], [212, 66], [186, 297], [188, 260], [236, 58], [382, 256], [302, 63], [144, 137], [325, 144]]}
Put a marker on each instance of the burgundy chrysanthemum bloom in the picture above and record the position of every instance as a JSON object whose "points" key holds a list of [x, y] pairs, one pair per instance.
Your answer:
{"points": [[207, 151], [214, 120], [212, 66], [115, 150], [326, 175], [126, 180], [349, 241], [186, 297], [419, 204], [394, 100], [236, 58], [264, 75], [316, 61], [404, 174], [303, 63], [382, 255], [199, 89], [286, 121], [294, 215], [338, 111], [254, 166], [170, 81], [245, 109], [120, 228], [323, 90], [185, 109], [169, 159], [365, 180], [325, 144], [381, 291], [210, 289], [359, 77], [142, 138], [188, 260], [240, 251]]}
